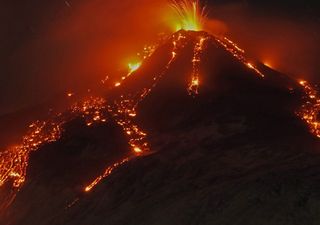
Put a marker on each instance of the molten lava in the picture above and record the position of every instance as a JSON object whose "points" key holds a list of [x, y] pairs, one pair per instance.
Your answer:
{"points": [[107, 172], [133, 67], [191, 15], [14, 161], [310, 110], [196, 60], [238, 53]]}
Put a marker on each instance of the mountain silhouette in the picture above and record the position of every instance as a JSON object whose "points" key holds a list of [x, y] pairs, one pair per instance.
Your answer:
{"points": [[235, 152]]}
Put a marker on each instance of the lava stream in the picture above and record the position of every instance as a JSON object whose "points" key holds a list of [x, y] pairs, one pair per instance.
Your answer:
{"points": [[311, 108], [124, 110]]}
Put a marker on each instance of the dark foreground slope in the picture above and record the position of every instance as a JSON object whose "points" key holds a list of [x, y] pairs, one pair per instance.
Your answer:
{"points": [[234, 154]]}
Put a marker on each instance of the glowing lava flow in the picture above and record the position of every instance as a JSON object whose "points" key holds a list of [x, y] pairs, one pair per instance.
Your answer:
{"points": [[107, 172], [238, 53], [310, 110], [132, 67], [14, 161], [193, 88], [124, 110], [191, 14]]}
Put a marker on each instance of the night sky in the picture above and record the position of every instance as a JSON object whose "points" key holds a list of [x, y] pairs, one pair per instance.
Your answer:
{"points": [[44, 52]]}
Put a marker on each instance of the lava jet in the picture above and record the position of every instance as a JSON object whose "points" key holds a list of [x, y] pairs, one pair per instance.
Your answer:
{"points": [[197, 133]]}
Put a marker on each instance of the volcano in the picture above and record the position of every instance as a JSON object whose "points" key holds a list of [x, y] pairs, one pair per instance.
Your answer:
{"points": [[199, 134]]}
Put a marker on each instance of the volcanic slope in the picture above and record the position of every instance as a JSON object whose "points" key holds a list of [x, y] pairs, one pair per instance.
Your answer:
{"points": [[226, 144]]}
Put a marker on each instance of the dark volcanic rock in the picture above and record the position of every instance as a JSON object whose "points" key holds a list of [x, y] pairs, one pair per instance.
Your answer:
{"points": [[236, 154]]}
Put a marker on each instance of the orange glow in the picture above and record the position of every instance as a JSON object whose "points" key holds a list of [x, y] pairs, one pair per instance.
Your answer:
{"points": [[191, 14], [133, 67], [106, 173], [267, 64], [238, 53], [14, 161], [311, 108], [123, 109], [195, 82], [123, 112], [193, 88], [137, 150], [250, 65]]}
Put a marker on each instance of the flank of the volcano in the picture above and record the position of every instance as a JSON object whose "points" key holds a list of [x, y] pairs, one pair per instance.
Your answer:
{"points": [[195, 131]]}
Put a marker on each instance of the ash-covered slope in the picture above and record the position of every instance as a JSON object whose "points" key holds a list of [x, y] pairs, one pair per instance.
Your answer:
{"points": [[235, 153]]}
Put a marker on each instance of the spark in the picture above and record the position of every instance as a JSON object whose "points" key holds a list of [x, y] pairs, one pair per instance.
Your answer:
{"points": [[191, 15], [103, 81]]}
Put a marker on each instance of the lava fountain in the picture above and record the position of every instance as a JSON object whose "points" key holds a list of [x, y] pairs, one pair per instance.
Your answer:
{"points": [[191, 15]]}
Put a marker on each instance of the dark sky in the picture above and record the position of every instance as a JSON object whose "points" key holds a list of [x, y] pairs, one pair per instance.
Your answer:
{"points": [[44, 52], [284, 34]]}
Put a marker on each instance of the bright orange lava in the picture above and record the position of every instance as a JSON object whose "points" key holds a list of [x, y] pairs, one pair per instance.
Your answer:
{"points": [[238, 53], [14, 161], [196, 60], [191, 14], [310, 110]]}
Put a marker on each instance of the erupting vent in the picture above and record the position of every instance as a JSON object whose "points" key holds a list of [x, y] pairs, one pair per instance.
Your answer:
{"points": [[191, 15]]}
